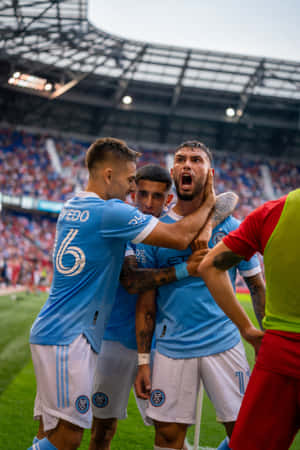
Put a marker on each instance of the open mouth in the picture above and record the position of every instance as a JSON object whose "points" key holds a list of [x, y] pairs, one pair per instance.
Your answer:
{"points": [[186, 180]]}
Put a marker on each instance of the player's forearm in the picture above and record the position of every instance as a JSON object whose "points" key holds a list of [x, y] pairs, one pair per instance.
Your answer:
{"points": [[257, 290], [220, 287], [145, 321], [140, 280], [186, 229]]}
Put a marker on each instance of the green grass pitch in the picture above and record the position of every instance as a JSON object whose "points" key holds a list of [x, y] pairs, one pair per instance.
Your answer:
{"points": [[17, 387]]}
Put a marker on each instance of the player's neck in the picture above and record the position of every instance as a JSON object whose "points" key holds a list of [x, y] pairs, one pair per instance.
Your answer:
{"points": [[91, 187], [184, 207]]}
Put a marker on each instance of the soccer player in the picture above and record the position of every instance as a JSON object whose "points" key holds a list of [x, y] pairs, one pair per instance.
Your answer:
{"points": [[270, 413], [117, 362], [194, 338], [93, 229]]}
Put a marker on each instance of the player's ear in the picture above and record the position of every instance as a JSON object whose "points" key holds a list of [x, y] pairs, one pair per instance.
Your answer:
{"points": [[107, 175], [132, 195], [171, 172]]}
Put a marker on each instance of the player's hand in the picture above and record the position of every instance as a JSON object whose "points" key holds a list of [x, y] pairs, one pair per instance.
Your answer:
{"points": [[142, 382], [253, 336], [201, 241], [209, 191], [194, 261]]}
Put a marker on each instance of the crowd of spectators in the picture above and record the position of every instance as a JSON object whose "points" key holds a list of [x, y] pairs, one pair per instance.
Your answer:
{"points": [[285, 176], [26, 241], [26, 244]]}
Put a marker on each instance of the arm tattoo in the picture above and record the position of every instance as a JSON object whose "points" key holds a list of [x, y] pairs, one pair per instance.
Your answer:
{"points": [[145, 321], [256, 287], [225, 205], [145, 336], [135, 279], [226, 260]]}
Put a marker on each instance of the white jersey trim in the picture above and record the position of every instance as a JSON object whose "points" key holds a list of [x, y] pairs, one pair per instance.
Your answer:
{"points": [[174, 215], [250, 272], [86, 194], [129, 252], [146, 231]]}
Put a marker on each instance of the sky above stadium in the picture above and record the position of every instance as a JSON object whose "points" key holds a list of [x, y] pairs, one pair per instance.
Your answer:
{"points": [[254, 27]]}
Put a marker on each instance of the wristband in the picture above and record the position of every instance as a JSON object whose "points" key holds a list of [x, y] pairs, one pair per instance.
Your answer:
{"points": [[143, 358], [181, 271]]}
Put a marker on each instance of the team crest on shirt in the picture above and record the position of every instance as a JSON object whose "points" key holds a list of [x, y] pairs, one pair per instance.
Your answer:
{"points": [[217, 237], [157, 398], [100, 400], [82, 404]]}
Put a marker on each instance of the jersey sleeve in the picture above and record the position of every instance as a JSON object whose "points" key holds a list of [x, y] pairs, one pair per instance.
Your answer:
{"points": [[129, 251], [125, 222], [249, 268]]}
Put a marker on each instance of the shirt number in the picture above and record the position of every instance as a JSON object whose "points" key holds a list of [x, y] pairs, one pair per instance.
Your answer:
{"points": [[67, 249]]}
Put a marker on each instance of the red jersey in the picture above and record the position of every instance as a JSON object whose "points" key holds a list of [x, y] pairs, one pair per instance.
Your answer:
{"points": [[255, 231]]}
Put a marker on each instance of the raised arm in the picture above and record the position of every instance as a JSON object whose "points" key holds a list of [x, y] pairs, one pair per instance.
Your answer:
{"points": [[256, 286], [180, 234], [145, 325], [136, 279], [213, 271]]}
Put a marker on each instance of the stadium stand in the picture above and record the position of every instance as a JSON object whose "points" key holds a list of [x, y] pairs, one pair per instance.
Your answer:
{"points": [[26, 170]]}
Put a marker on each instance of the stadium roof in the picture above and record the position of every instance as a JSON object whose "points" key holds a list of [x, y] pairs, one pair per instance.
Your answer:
{"points": [[54, 39]]}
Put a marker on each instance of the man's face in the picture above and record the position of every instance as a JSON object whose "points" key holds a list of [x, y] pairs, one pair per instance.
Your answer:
{"points": [[151, 197], [189, 172], [123, 180]]}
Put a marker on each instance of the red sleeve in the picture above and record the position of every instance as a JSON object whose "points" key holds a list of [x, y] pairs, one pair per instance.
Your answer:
{"points": [[254, 232]]}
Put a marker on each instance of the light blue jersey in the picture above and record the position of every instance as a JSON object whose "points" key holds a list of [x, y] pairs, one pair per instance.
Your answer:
{"points": [[189, 323], [121, 325], [90, 244]]}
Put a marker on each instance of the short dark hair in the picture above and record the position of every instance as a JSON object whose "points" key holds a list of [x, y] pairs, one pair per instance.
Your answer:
{"points": [[106, 148], [154, 172], [196, 144]]}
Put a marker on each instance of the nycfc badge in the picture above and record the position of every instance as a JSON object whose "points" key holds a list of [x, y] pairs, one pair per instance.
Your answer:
{"points": [[217, 237], [157, 398], [82, 404], [100, 400]]}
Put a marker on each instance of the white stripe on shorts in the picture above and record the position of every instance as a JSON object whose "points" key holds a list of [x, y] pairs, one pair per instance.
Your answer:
{"points": [[62, 380]]}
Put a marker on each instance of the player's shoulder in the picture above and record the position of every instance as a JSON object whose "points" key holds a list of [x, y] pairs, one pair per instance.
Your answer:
{"points": [[228, 224], [224, 228], [170, 217]]}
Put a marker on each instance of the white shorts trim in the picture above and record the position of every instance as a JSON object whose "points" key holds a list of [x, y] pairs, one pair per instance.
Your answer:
{"points": [[175, 384], [64, 375]]}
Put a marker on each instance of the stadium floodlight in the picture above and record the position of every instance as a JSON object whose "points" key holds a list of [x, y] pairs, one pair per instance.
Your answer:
{"points": [[230, 112], [48, 87], [16, 74], [127, 100]]}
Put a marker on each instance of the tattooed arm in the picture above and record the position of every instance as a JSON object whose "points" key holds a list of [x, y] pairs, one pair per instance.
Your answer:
{"points": [[256, 286], [213, 270], [225, 205], [145, 324], [135, 279]]}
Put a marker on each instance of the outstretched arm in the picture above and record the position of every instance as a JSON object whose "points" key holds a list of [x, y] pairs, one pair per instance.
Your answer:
{"points": [[213, 271]]}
